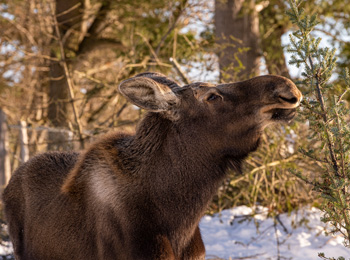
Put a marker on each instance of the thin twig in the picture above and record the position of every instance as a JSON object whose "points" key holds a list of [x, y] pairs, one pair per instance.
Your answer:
{"points": [[21, 29], [277, 240], [68, 10], [273, 164], [179, 70], [303, 152], [341, 146], [171, 28], [335, 38], [340, 99], [281, 223]]}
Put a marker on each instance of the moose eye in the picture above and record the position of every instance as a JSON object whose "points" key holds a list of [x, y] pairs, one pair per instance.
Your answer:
{"points": [[212, 97]]}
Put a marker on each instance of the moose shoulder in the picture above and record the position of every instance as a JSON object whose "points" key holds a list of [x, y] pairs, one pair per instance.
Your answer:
{"points": [[142, 196]]}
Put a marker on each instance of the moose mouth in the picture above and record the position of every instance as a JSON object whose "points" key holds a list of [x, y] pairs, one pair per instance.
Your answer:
{"points": [[280, 114]]}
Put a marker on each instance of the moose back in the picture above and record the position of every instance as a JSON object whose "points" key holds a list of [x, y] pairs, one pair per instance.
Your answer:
{"points": [[141, 196]]}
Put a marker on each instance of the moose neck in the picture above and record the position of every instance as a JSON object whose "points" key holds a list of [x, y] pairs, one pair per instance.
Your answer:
{"points": [[160, 143], [177, 165]]}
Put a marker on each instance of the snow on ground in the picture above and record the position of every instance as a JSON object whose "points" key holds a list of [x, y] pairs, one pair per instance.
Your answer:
{"points": [[237, 234], [6, 248]]}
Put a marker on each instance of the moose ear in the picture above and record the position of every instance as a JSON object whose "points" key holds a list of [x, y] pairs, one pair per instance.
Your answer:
{"points": [[148, 94]]}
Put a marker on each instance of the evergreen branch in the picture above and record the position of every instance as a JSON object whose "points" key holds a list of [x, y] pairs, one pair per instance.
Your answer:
{"points": [[326, 119]]}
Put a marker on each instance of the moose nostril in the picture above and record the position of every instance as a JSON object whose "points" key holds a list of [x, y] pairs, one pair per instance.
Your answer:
{"points": [[292, 100]]}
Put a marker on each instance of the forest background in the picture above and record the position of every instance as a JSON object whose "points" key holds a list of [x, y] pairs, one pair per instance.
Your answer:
{"points": [[61, 62]]}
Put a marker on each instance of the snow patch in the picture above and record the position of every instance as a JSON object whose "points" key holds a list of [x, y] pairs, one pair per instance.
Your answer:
{"points": [[237, 233]]}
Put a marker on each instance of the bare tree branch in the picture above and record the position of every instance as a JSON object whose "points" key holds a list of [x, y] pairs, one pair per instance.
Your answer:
{"points": [[177, 14], [179, 70]]}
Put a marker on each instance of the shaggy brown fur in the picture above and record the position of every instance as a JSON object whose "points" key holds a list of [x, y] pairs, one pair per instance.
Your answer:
{"points": [[142, 196]]}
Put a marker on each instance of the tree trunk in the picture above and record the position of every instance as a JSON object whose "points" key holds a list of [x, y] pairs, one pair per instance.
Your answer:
{"points": [[69, 15], [5, 165], [237, 34], [271, 39], [59, 96], [23, 137]]}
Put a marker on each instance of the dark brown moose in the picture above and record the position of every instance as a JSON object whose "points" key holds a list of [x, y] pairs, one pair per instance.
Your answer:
{"points": [[142, 196]]}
